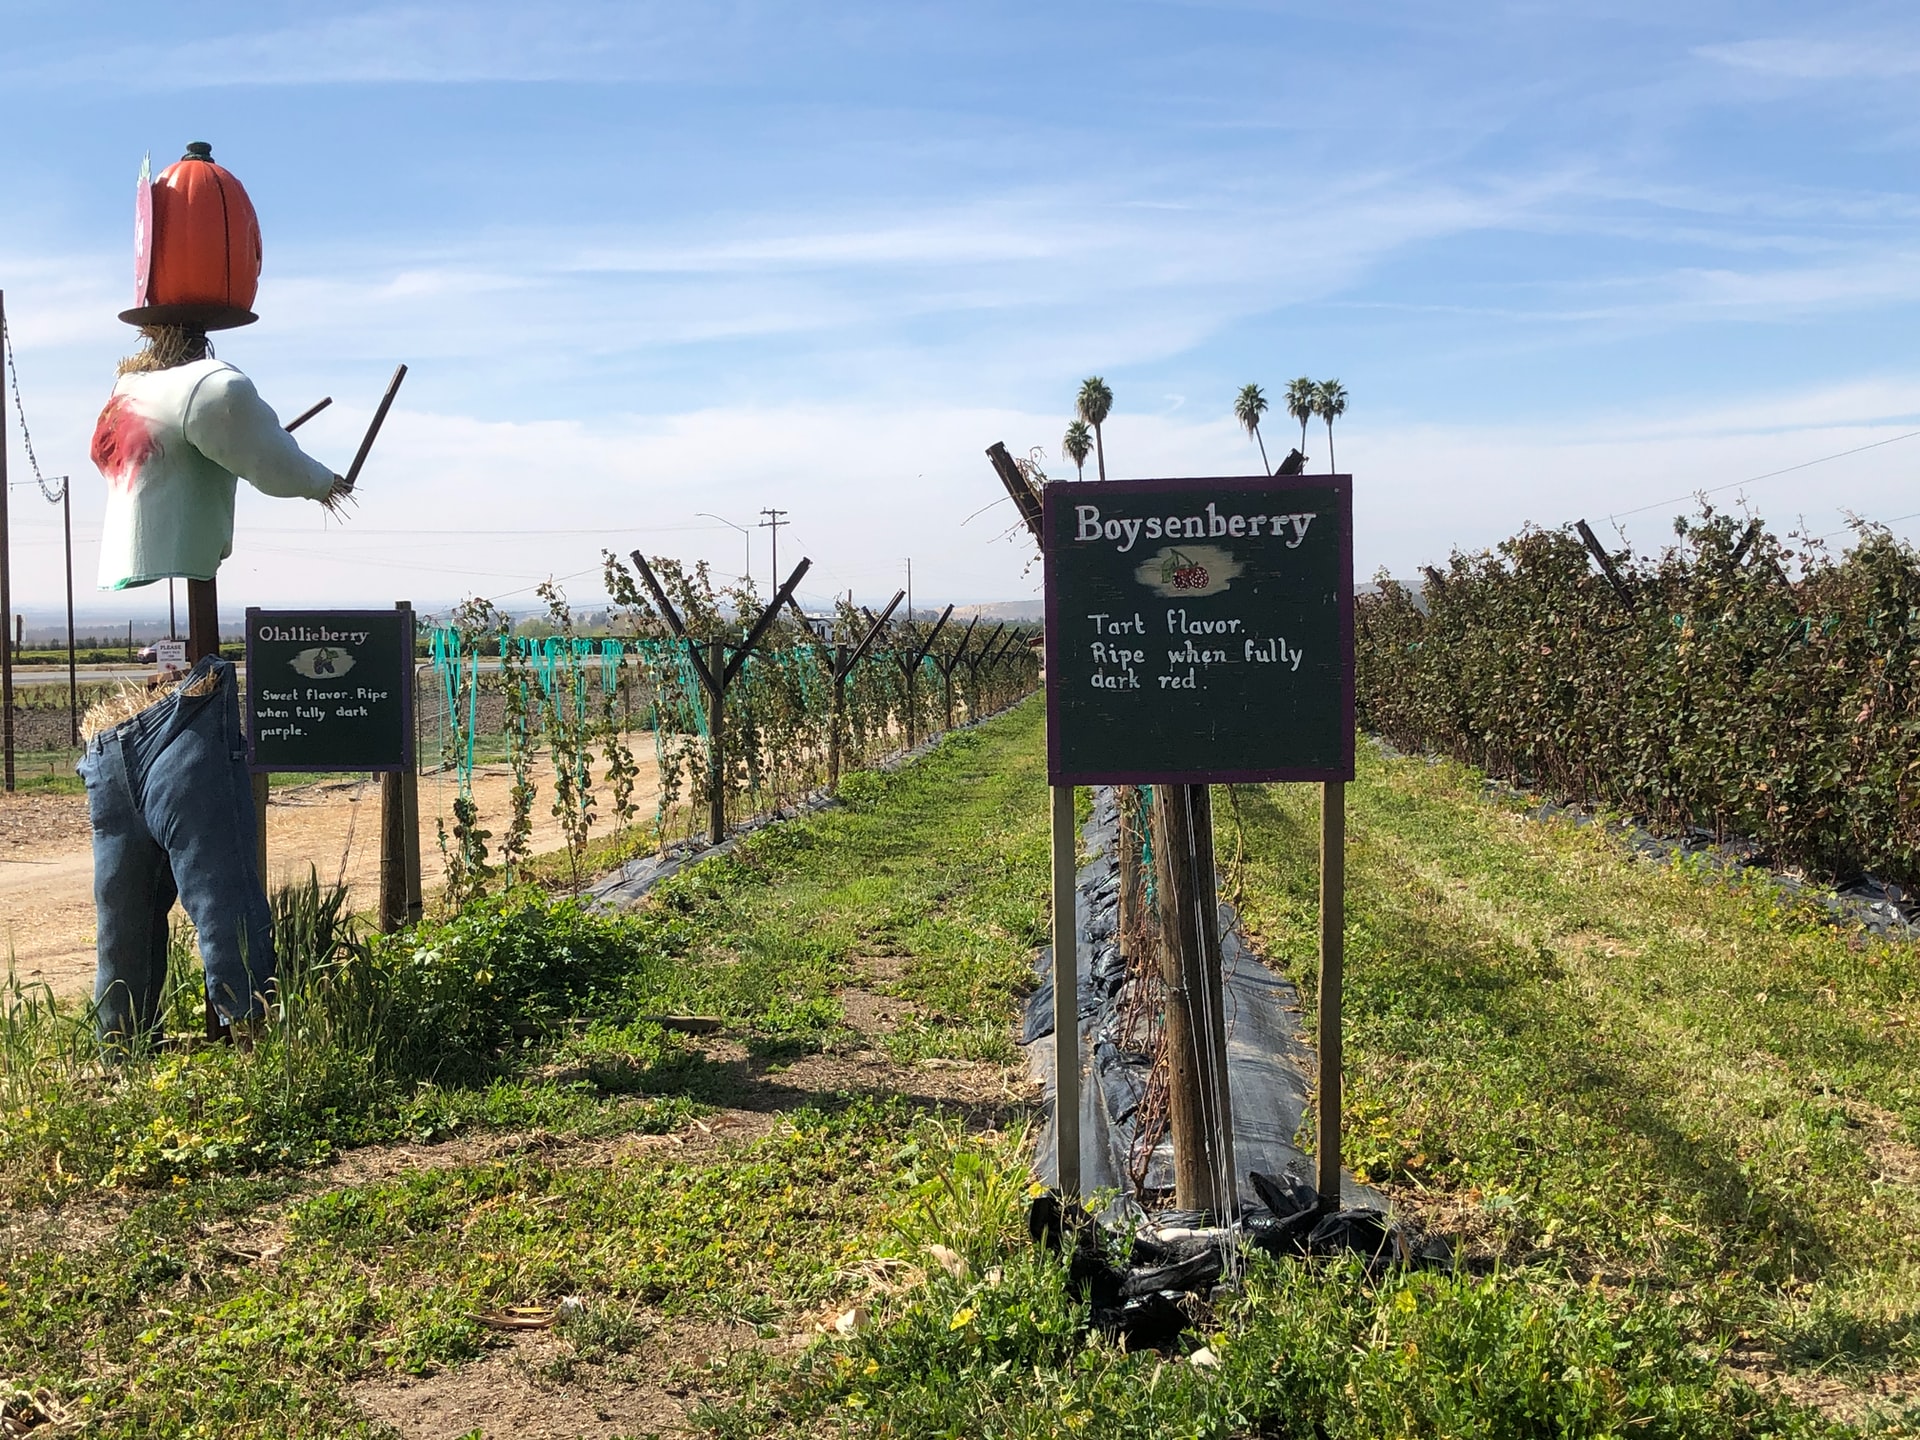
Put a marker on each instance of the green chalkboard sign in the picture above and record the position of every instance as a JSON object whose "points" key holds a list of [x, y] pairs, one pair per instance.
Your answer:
{"points": [[1199, 631], [330, 689]]}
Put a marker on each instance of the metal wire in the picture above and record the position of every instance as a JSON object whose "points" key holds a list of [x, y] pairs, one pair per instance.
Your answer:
{"points": [[51, 495]]}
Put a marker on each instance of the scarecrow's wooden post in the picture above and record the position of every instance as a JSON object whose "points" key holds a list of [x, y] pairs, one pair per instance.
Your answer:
{"points": [[203, 638]]}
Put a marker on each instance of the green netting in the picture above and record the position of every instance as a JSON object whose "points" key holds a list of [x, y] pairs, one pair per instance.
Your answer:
{"points": [[780, 706], [455, 665]]}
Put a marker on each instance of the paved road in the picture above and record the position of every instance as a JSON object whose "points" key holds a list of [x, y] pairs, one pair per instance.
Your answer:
{"points": [[89, 674]]}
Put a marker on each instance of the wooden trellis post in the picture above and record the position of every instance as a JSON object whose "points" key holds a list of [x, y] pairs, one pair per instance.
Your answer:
{"points": [[948, 666], [1016, 637], [973, 674], [839, 666], [716, 673], [912, 669]]}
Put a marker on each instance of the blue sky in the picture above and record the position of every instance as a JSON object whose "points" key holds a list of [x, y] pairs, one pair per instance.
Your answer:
{"points": [[648, 260]]}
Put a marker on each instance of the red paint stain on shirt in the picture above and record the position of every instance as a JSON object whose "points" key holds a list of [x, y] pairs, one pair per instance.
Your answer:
{"points": [[122, 442]]}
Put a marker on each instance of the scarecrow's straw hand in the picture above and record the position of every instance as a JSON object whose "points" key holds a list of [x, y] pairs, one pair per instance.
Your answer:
{"points": [[338, 496]]}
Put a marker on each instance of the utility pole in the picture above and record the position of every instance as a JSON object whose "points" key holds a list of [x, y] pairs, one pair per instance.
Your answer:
{"points": [[173, 624], [909, 590], [775, 519], [73, 677], [6, 579]]}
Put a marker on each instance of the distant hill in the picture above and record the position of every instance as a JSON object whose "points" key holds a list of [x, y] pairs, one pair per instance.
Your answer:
{"points": [[1021, 612]]}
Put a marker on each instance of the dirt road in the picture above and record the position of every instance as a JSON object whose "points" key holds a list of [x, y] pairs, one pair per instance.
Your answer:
{"points": [[46, 855]]}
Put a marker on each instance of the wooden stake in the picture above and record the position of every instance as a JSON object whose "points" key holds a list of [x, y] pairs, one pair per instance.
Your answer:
{"points": [[1333, 933], [1197, 1098], [1024, 500], [834, 716], [1066, 997], [952, 663], [717, 745], [843, 663], [352, 476], [1132, 893], [1599, 553]]}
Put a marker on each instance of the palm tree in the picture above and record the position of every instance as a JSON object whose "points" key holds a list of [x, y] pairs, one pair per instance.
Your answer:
{"points": [[1076, 445], [1329, 402], [1094, 404], [1248, 406], [1300, 398]]}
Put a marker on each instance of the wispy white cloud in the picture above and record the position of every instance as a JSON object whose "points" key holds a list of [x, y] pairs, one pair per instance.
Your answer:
{"points": [[417, 44], [869, 485], [1809, 58]]}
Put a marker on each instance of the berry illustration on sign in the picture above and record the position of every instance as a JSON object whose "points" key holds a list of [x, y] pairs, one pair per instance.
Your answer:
{"points": [[1189, 571]]}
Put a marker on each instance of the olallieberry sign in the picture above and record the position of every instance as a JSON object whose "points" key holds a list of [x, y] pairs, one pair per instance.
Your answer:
{"points": [[1199, 631], [330, 689]]}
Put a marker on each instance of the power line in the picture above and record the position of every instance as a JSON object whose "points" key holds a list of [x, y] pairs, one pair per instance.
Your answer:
{"points": [[1753, 479], [1888, 523]]}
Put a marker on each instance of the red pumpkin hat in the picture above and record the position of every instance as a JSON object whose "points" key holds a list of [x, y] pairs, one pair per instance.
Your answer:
{"points": [[196, 247]]}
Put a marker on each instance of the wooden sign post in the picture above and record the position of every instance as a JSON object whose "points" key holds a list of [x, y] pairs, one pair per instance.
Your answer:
{"points": [[1200, 632]]}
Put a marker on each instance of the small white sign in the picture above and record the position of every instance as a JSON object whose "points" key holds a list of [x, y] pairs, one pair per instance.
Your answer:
{"points": [[169, 652]]}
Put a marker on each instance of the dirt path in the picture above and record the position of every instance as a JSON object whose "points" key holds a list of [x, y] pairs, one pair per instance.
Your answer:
{"points": [[46, 854]]}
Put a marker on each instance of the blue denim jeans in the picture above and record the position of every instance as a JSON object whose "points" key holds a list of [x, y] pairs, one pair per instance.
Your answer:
{"points": [[172, 811]]}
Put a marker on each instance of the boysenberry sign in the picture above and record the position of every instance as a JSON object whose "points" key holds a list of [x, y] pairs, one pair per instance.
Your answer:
{"points": [[1199, 631]]}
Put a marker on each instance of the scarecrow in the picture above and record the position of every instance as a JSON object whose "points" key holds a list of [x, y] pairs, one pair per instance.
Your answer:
{"points": [[167, 785]]}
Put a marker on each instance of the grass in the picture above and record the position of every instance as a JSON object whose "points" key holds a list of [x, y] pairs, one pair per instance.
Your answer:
{"points": [[1666, 1105], [47, 772], [144, 1194], [1650, 1076]]}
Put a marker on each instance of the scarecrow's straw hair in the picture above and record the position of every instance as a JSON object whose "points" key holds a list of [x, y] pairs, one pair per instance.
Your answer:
{"points": [[166, 346]]}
